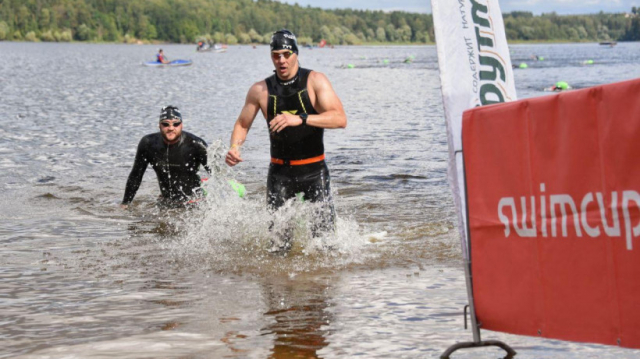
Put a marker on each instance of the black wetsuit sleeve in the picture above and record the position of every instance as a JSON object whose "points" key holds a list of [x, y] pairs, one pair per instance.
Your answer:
{"points": [[202, 155], [135, 177]]}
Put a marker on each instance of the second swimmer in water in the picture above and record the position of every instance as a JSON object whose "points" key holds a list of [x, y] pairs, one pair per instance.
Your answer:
{"points": [[560, 86], [175, 156]]}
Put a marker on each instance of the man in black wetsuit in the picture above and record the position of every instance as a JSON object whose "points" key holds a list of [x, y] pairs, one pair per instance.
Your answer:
{"points": [[298, 105], [175, 156]]}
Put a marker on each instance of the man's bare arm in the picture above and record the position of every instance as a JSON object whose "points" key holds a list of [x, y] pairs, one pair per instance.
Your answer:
{"points": [[331, 113], [244, 122]]}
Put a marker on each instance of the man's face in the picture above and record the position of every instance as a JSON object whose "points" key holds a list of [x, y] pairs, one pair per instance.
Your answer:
{"points": [[285, 62], [171, 129]]}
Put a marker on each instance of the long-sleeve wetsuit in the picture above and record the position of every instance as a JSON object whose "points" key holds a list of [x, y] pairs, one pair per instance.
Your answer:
{"points": [[176, 166]]}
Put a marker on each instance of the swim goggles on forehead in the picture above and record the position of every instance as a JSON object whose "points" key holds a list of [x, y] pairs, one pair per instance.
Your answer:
{"points": [[278, 55]]}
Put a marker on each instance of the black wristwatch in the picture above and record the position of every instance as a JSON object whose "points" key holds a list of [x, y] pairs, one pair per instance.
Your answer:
{"points": [[303, 117]]}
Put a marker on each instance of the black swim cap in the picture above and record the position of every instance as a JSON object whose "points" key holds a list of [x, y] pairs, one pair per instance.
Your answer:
{"points": [[170, 113], [284, 40]]}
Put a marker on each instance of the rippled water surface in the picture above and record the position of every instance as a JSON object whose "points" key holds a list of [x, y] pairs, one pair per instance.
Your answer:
{"points": [[80, 278]]}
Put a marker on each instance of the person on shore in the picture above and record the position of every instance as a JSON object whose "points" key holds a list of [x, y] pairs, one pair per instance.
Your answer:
{"points": [[161, 58], [175, 156], [298, 105]]}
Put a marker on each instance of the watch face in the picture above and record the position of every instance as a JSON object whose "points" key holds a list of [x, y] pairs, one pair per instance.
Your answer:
{"points": [[304, 116]]}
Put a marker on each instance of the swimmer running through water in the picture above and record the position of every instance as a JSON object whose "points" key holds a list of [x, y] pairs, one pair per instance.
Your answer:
{"points": [[298, 105], [175, 156]]}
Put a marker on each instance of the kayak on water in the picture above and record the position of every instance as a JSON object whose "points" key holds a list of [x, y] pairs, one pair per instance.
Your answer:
{"points": [[171, 64], [211, 49], [217, 48]]}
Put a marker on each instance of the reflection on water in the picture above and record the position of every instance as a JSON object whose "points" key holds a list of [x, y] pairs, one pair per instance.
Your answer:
{"points": [[81, 278], [299, 319]]}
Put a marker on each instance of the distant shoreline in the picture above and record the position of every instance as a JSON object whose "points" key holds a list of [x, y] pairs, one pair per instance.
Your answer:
{"points": [[146, 42], [367, 44], [165, 21]]}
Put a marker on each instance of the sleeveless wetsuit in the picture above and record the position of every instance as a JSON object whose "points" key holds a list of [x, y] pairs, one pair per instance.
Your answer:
{"points": [[297, 143], [176, 167]]}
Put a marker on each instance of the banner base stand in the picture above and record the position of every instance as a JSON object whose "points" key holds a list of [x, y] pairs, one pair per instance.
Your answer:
{"points": [[488, 343], [475, 327]]}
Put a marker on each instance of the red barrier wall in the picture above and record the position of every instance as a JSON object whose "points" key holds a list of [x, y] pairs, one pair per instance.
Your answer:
{"points": [[572, 270]]}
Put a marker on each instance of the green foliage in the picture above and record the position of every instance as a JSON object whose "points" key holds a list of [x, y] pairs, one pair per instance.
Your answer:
{"points": [[351, 39], [305, 40], [633, 31], [552, 27], [47, 36], [244, 38], [56, 36], [253, 21], [381, 35], [64, 36], [31, 36], [230, 39], [4, 30], [242, 21], [84, 33], [255, 37], [218, 37]]}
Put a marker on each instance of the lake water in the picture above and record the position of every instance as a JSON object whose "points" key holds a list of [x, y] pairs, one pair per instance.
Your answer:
{"points": [[81, 278]]}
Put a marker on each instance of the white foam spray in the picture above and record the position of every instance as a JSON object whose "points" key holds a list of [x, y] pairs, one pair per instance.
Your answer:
{"points": [[230, 233]]}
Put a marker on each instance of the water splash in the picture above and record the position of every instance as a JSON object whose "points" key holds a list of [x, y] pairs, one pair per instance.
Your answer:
{"points": [[228, 233]]}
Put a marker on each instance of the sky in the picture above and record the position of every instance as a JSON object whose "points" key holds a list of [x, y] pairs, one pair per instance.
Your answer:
{"points": [[535, 6]]}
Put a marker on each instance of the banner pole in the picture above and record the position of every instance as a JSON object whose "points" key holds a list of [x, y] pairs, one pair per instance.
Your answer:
{"points": [[475, 327]]}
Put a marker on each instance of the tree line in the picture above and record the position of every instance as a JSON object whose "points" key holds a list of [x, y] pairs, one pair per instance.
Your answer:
{"points": [[253, 21], [524, 26]]}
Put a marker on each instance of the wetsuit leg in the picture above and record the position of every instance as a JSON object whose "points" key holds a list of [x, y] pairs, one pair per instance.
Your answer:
{"points": [[316, 188], [314, 181], [280, 188]]}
